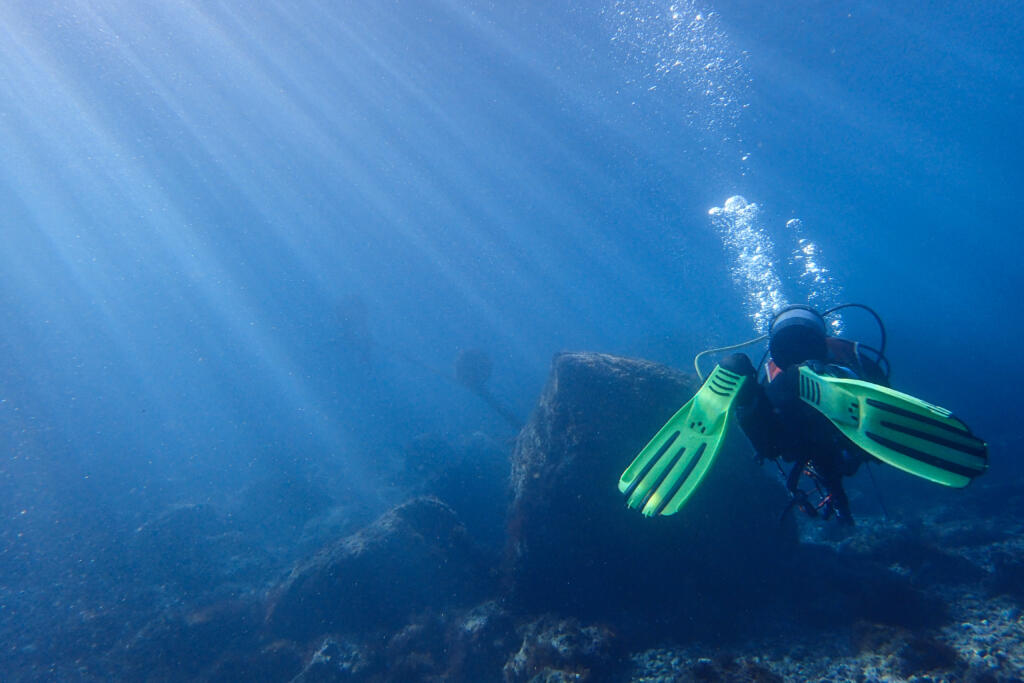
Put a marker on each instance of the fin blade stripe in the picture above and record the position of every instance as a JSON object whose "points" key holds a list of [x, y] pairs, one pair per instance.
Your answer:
{"points": [[650, 464], [683, 478], [938, 424], [925, 458], [662, 476], [977, 451]]}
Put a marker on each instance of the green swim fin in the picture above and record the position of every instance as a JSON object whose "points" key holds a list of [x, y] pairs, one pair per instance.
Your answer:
{"points": [[898, 429], [669, 468]]}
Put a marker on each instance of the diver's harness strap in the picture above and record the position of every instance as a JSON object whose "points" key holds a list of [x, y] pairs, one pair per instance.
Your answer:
{"points": [[800, 498], [824, 505]]}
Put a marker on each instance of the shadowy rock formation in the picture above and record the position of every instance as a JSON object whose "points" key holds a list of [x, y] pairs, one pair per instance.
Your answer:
{"points": [[575, 548], [471, 477], [415, 557]]}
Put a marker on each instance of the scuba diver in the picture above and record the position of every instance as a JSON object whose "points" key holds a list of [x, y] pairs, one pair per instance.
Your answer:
{"points": [[823, 404]]}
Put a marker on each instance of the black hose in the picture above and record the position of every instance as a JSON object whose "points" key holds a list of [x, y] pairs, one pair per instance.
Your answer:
{"points": [[878, 319]]}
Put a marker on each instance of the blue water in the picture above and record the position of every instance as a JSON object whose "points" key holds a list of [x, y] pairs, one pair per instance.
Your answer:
{"points": [[241, 238]]}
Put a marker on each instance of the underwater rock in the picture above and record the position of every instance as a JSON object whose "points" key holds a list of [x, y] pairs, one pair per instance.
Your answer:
{"points": [[471, 645], [561, 649], [418, 651], [576, 548], [415, 557], [478, 643], [178, 645], [336, 659], [911, 653]]}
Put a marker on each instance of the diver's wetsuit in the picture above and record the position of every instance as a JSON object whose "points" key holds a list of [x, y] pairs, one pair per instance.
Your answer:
{"points": [[781, 426]]}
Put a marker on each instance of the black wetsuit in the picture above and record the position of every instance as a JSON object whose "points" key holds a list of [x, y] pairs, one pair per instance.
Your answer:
{"points": [[782, 427]]}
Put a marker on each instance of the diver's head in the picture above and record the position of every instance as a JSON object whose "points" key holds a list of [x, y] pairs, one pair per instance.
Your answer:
{"points": [[797, 334]]}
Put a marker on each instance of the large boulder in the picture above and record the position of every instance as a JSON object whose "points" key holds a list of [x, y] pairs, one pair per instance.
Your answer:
{"points": [[576, 548], [413, 558]]}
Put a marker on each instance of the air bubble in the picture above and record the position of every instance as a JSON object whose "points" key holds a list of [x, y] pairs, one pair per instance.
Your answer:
{"points": [[752, 253], [689, 47]]}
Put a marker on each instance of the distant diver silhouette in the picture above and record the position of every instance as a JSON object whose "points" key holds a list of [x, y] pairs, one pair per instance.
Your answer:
{"points": [[472, 370]]}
